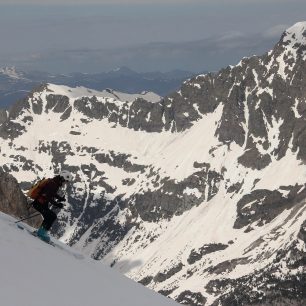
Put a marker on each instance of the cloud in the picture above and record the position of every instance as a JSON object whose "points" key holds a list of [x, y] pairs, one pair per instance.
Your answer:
{"points": [[88, 2], [141, 2], [209, 54], [219, 33], [275, 31]]}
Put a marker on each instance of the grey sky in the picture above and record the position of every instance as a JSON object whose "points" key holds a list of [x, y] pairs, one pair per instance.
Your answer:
{"points": [[144, 35]]}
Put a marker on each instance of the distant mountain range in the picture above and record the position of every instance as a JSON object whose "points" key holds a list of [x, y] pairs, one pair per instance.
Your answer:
{"points": [[15, 84]]}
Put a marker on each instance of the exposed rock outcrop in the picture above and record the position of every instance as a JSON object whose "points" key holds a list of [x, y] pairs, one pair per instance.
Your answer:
{"points": [[12, 200]]}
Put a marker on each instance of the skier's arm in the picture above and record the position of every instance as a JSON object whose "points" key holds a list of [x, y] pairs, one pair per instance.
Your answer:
{"points": [[57, 204], [60, 198]]}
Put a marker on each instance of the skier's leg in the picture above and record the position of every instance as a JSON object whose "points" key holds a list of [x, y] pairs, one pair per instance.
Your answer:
{"points": [[39, 207], [48, 215], [49, 218]]}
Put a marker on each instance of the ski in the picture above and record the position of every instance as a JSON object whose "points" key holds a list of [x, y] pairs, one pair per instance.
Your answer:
{"points": [[34, 233]]}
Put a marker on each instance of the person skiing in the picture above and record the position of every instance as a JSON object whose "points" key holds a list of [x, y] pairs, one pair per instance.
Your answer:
{"points": [[47, 194]]}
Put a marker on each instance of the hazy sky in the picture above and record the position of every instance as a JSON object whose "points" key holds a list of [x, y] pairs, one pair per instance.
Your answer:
{"points": [[145, 35]]}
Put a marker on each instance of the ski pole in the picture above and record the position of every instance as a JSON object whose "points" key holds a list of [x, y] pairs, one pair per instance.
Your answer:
{"points": [[27, 218]]}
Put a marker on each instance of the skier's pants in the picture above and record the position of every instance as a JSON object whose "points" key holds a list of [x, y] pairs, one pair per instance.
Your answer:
{"points": [[48, 215]]}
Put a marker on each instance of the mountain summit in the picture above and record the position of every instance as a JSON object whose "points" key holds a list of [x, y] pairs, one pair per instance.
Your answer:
{"points": [[296, 35], [200, 196]]}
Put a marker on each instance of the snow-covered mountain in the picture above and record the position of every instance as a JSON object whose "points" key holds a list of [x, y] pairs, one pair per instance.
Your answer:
{"points": [[16, 84], [35, 273], [200, 196]]}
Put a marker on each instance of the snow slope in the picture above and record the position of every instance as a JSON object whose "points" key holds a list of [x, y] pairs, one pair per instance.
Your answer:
{"points": [[35, 273]]}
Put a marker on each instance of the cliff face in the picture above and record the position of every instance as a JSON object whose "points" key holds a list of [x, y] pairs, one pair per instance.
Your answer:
{"points": [[12, 200], [3, 115]]}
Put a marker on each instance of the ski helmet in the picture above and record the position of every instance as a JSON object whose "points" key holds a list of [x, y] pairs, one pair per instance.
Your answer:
{"points": [[66, 175]]}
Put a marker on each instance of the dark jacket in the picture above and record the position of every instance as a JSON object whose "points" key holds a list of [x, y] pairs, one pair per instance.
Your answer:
{"points": [[49, 191]]}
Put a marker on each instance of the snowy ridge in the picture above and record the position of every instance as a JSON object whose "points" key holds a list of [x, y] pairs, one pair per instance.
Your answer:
{"points": [[80, 91], [199, 196], [296, 33], [33, 269]]}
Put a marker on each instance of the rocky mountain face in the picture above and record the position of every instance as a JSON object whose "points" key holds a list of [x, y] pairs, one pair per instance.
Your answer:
{"points": [[200, 195], [12, 199], [3, 116]]}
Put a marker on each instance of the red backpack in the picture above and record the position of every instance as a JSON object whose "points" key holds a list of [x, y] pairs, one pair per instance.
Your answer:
{"points": [[35, 190]]}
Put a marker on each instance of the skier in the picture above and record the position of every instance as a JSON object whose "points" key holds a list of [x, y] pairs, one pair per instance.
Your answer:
{"points": [[47, 194]]}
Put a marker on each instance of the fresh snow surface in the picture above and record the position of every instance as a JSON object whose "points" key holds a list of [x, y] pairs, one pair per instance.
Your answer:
{"points": [[296, 32], [35, 273], [294, 38], [80, 91]]}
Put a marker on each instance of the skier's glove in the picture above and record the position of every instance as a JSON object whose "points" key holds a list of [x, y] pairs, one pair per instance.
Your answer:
{"points": [[59, 205], [63, 199]]}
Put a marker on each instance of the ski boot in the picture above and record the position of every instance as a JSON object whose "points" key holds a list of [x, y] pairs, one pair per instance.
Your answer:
{"points": [[43, 235]]}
